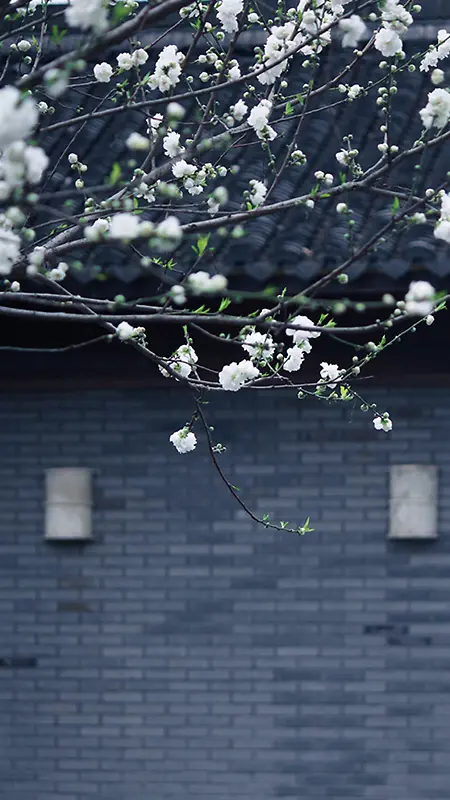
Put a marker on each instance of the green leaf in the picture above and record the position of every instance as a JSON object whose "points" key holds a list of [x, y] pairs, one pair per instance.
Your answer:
{"points": [[120, 11], [289, 108], [115, 174], [224, 303], [202, 243], [395, 205], [57, 35]]}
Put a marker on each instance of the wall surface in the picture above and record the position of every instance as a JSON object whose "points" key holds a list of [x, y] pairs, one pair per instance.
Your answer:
{"points": [[186, 653]]}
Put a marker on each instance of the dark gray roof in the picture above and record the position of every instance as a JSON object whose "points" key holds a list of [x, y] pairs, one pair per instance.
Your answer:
{"points": [[295, 245]]}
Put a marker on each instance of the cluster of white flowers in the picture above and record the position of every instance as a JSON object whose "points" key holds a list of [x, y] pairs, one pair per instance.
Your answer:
{"points": [[203, 283], [182, 362], [437, 111], [420, 298], [354, 91], [20, 164], [442, 229], [9, 248], [227, 14], [234, 376], [259, 346], [395, 22], [259, 121], [126, 227], [192, 177], [58, 273], [258, 193], [18, 117], [183, 440], [127, 61], [282, 41], [301, 341], [167, 69], [354, 29], [87, 14], [436, 52]]}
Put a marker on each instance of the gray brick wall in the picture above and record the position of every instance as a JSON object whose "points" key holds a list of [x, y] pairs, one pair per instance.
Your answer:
{"points": [[187, 654]]}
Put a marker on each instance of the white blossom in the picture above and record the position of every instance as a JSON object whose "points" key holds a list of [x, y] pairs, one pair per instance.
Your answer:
{"points": [[202, 282], [95, 232], [258, 193], [239, 110], [17, 118], [171, 145], [388, 42], [442, 230], [181, 169], [103, 72], [300, 335], [59, 272], [234, 73], [86, 14], [437, 77], [136, 141], [259, 346], [233, 376], [183, 440], [354, 29], [154, 123], [382, 423], [181, 362], [437, 111], [126, 331], [169, 233], [24, 45], [125, 61], [20, 164], [178, 295], [37, 256], [419, 300], [295, 358], [258, 120], [227, 14], [330, 372], [139, 57], [343, 157], [36, 162], [354, 91], [217, 283], [124, 226], [175, 111], [15, 286], [9, 249]]}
